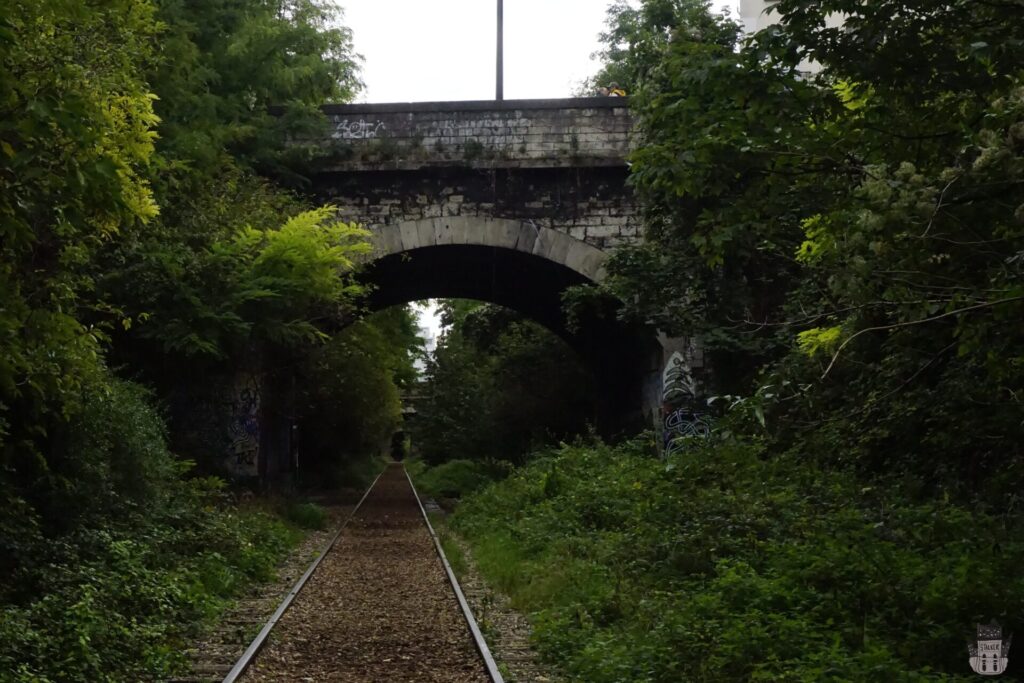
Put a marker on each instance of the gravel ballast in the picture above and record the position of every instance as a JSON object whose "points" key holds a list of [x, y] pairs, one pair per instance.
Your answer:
{"points": [[378, 608]]}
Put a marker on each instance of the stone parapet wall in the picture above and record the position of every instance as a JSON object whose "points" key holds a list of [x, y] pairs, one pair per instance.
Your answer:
{"points": [[592, 205], [580, 132]]}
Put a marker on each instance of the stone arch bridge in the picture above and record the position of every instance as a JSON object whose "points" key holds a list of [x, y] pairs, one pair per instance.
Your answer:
{"points": [[510, 202]]}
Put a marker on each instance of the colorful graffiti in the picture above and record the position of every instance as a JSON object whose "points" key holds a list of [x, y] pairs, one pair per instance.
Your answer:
{"points": [[681, 419], [244, 427]]}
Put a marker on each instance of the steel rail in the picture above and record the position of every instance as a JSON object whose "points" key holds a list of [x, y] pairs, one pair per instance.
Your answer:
{"points": [[467, 613], [261, 638]]}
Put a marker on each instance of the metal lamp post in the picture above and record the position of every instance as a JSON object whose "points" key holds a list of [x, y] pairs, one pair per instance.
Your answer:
{"points": [[500, 89]]}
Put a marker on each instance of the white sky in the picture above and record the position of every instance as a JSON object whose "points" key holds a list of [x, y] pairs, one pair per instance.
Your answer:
{"points": [[437, 50]]}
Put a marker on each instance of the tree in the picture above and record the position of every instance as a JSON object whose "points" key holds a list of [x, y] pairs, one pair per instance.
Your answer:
{"points": [[261, 286], [350, 402], [236, 274], [852, 236], [499, 386], [144, 241], [76, 134], [223, 65]]}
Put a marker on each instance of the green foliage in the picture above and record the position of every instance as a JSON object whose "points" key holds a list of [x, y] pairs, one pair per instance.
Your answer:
{"points": [[237, 272], [351, 403], [854, 235], [453, 552], [456, 479], [636, 37], [306, 515], [223, 64], [718, 202], [111, 561], [254, 287], [115, 605], [75, 137], [131, 232], [847, 247], [349, 392], [499, 385], [354, 473], [726, 565]]}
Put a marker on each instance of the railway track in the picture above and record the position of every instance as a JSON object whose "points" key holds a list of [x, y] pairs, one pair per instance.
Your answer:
{"points": [[379, 604]]}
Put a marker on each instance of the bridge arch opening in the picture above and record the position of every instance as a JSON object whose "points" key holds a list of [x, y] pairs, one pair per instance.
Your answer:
{"points": [[525, 268]]}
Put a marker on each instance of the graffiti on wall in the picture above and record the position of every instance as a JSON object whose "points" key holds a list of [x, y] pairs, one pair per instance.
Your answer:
{"points": [[681, 419], [359, 130], [244, 427], [677, 385], [682, 424]]}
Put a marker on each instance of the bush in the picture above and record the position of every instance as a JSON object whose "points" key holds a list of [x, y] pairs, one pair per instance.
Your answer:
{"points": [[723, 565], [121, 603], [456, 478], [118, 562], [353, 473]]}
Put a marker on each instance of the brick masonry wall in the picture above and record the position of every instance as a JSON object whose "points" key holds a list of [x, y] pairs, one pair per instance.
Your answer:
{"points": [[511, 134], [590, 204], [558, 164]]}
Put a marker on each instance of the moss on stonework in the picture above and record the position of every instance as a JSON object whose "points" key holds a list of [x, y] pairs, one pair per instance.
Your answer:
{"points": [[473, 149]]}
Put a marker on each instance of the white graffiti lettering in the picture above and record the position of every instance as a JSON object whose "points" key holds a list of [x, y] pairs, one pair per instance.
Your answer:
{"points": [[682, 420], [359, 130], [677, 382], [681, 425]]}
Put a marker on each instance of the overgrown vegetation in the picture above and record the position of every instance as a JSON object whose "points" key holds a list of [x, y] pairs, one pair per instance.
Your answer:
{"points": [[306, 515], [852, 239], [150, 250], [452, 480], [107, 576], [847, 245], [497, 386], [835, 213], [349, 396], [730, 563]]}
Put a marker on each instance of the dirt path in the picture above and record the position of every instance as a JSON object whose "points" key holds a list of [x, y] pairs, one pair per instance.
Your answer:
{"points": [[379, 607]]}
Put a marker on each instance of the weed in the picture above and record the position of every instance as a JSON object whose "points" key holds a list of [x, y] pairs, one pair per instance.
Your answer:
{"points": [[454, 554], [456, 478], [473, 149], [306, 515]]}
